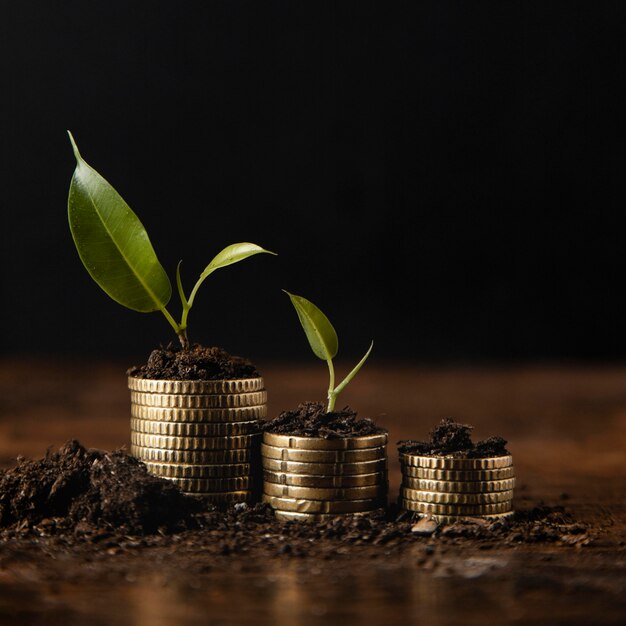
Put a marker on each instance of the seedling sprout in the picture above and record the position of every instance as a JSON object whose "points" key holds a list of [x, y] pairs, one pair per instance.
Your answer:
{"points": [[324, 343], [116, 250]]}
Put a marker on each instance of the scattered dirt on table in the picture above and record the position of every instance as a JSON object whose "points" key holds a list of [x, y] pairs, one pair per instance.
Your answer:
{"points": [[311, 420], [78, 503], [76, 486], [450, 438], [197, 363]]}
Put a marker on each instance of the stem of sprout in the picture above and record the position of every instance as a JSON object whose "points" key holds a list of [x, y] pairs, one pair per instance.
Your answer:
{"points": [[332, 396]]}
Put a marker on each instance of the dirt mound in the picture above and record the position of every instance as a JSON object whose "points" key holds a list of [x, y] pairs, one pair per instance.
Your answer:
{"points": [[197, 363], [450, 438], [80, 486]]}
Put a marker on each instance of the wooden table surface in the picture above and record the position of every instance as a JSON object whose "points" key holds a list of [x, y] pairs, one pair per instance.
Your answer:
{"points": [[566, 428]]}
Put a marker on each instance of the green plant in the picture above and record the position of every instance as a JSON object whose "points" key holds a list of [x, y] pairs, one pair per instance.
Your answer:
{"points": [[324, 343], [116, 250]]}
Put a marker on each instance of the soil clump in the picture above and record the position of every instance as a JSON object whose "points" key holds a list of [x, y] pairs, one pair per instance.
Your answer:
{"points": [[450, 438], [80, 486], [196, 363], [311, 419]]}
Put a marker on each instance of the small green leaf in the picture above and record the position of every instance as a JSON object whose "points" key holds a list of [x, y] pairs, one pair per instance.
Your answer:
{"points": [[232, 254], [318, 329], [112, 242], [341, 386], [179, 286]]}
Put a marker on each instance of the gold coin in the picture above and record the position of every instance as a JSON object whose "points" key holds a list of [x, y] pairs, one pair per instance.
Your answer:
{"points": [[323, 456], [456, 509], [460, 486], [453, 463], [217, 401], [313, 493], [310, 480], [324, 469], [217, 485], [179, 470], [226, 497], [193, 429], [237, 414], [437, 497], [320, 506], [318, 443], [194, 457], [195, 387], [470, 475], [193, 443], [289, 516]]}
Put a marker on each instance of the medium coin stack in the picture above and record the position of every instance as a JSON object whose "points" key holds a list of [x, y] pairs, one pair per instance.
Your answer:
{"points": [[202, 435], [449, 488], [314, 479]]}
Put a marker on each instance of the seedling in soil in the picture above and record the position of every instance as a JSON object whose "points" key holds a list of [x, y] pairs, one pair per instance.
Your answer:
{"points": [[324, 343], [116, 250]]}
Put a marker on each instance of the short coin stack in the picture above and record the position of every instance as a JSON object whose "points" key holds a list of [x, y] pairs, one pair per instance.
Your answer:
{"points": [[202, 435], [449, 488], [313, 479]]}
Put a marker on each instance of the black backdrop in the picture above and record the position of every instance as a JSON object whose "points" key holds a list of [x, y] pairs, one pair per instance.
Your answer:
{"points": [[446, 177]]}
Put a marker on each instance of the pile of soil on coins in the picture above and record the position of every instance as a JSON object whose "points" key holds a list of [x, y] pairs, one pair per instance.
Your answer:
{"points": [[196, 363], [311, 419], [450, 438], [88, 500], [77, 485]]}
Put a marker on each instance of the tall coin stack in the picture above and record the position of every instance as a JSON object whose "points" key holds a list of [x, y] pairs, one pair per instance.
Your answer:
{"points": [[314, 479], [202, 435], [448, 488]]}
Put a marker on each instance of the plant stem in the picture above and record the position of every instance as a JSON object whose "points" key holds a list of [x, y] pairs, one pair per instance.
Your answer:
{"points": [[332, 396], [170, 319], [187, 304], [179, 329], [194, 291], [182, 327], [184, 340], [183, 319]]}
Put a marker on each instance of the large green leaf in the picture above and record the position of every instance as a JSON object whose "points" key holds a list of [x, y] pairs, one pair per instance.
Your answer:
{"points": [[232, 254], [318, 329], [112, 242]]}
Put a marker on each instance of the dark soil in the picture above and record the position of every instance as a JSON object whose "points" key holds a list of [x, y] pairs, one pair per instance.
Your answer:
{"points": [[311, 420], [450, 438], [77, 486], [197, 363], [90, 501]]}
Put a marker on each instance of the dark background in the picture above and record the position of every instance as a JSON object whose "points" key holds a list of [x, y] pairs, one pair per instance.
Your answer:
{"points": [[446, 177]]}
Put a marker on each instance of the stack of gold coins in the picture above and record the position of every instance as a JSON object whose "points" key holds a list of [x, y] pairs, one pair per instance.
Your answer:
{"points": [[314, 479], [450, 488], [202, 435]]}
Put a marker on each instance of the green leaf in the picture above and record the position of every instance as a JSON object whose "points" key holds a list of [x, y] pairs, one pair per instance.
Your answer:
{"points": [[112, 243], [318, 329], [232, 254], [340, 387], [179, 286]]}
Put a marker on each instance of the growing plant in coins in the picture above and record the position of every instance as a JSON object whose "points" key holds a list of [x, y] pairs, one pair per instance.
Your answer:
{"points": [[116, 250], [324, 343]]}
